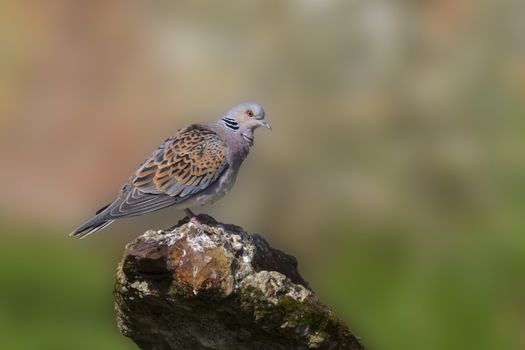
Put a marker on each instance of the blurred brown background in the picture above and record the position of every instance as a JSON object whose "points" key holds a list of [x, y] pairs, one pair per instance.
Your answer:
{"points": [[394, 171]]}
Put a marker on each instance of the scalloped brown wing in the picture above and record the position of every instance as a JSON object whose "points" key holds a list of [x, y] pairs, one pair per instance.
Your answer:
{"points": [[184, 165]]}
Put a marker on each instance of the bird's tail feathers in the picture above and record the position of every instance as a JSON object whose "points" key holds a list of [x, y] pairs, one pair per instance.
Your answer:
{"points": [[95, 224]]}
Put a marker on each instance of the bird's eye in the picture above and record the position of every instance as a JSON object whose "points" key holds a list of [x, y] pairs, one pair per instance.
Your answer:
{"points": [[250, 113]]}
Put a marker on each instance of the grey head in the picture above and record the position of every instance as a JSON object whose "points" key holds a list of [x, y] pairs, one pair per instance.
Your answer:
{"points": [[245, 118]]}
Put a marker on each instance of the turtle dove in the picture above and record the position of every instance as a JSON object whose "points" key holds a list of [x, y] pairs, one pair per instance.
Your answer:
{"points": [[195, 167]]}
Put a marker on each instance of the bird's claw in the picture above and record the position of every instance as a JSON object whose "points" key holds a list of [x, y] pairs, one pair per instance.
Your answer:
{"points": [[193, 218]]}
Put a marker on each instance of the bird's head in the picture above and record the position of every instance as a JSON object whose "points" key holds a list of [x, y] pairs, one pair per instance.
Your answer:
{"points": [[246, 116]]}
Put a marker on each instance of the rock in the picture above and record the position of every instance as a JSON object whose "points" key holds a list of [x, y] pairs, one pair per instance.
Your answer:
{"points": [[213, 286]]}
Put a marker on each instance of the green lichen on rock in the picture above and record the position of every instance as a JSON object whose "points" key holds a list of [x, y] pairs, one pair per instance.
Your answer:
{"points": [[213, 286]]}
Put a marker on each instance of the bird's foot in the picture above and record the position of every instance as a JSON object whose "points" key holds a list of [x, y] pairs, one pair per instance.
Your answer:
{"points": [[193, 218], [195, 221]]}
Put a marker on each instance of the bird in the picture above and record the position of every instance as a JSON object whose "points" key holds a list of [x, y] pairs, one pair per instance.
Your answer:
{"points": [[196, 166]]}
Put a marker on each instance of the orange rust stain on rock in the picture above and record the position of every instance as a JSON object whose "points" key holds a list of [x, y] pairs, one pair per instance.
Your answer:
{"points": [[199, 270]]}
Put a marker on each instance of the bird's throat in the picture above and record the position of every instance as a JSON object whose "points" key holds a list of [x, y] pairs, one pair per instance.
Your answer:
{"points": [[248, 137]]}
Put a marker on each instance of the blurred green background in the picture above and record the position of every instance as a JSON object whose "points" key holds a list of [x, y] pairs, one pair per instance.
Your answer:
{"points": [[394, 171]]}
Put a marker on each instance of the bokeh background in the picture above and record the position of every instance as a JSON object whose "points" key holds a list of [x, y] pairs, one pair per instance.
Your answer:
{"points": [[394, 172]]}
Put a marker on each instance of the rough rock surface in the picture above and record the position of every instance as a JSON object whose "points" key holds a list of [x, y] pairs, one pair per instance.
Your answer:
{"points": [[213, 286]]}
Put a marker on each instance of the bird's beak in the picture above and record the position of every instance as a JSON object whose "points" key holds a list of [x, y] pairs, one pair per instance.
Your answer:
{"points": [[264, 123]]}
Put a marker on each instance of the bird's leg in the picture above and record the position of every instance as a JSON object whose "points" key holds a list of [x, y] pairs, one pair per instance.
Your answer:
{"points": [[192, 216]]}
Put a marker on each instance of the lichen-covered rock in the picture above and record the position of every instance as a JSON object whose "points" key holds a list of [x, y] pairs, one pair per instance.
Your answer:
{"points": [[213, 286]]}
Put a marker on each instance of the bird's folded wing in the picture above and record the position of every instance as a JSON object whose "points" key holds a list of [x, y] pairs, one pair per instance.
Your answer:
{"points": [[184, 165]]}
